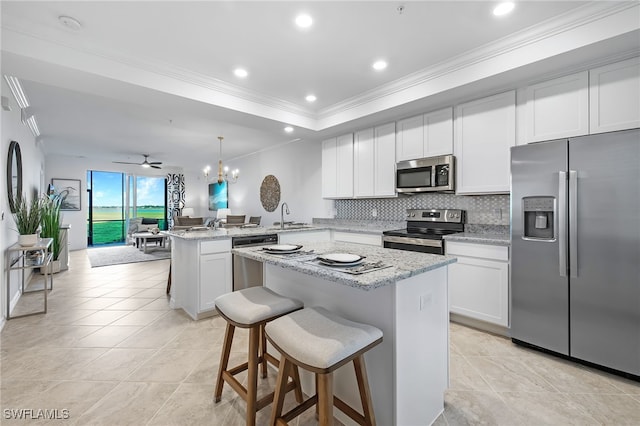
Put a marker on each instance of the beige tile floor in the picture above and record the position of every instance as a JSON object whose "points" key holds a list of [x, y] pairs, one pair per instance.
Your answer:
{"points": [[110, 351]]}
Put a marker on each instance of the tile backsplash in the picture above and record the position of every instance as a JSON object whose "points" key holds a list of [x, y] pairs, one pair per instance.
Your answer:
{"points": [[481, 209]]}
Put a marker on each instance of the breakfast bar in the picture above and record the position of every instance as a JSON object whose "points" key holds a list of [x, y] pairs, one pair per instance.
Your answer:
{"points": [[402, 293]]}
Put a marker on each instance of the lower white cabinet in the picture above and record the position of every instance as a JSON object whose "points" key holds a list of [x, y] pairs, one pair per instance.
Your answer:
{"points": [[479, 282], [357, 238], [201, 270], [215, 278], [310, 236]]}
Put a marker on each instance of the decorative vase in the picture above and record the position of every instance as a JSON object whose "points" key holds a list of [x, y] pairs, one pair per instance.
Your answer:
{"points": [[55, 267], [27, 240]]}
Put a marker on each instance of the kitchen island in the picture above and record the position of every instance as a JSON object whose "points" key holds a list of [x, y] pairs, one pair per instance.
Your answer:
{"points": [[201, 262], [407, 300]]}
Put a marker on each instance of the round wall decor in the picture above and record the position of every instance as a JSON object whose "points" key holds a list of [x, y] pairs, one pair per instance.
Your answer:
{"points": [[270, 193]]}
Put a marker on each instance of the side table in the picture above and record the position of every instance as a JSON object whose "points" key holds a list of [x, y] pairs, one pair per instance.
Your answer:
{"points": [[25, 258]]}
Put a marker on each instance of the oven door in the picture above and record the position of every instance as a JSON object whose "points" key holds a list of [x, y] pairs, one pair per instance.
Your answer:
{"points": [[422, 245]]}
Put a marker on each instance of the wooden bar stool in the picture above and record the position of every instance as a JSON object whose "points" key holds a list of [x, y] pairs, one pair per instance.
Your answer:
{"points": [[320, 342], [252, 308]]}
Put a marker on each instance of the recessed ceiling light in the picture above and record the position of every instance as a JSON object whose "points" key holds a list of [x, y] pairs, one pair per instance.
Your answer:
{"points": [[288, 129], [379, 65], [503, 8], [304, 21], [240, 72], [70, 22], [311, 98]]}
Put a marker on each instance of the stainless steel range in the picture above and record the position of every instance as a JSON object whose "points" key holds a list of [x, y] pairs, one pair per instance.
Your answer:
{"points": [[425, 230]]}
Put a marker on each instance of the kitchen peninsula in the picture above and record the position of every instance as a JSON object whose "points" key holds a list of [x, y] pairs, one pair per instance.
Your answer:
{"points": [[408, 372]]}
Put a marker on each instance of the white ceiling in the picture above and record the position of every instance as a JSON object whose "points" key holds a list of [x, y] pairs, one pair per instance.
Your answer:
{"points": [[157, 77]]}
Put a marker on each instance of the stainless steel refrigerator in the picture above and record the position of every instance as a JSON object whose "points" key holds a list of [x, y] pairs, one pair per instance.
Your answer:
{"points": [[575, 262]]}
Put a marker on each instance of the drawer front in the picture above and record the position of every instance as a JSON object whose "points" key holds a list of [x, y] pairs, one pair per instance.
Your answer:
{"points": [[215, 246], [358, 238], [483, 251]]}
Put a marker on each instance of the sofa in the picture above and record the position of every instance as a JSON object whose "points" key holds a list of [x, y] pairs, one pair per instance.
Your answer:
{"points": [[140, 224]]}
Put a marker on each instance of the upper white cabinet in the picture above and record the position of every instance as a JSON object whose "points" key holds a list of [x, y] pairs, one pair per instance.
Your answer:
{"points": [[438, 133], [337, 167], [426, 135], [329, 167], [614, 96], [409, 139], [374, 162], [363, 163], [484, 134], [557, 108]]}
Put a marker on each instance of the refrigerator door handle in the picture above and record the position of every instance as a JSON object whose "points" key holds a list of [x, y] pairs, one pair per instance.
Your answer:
{"points": [[562, 223], [573, 223]]}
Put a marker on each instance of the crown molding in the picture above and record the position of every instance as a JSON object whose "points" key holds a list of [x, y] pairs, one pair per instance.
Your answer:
{"points": [[568, 21], [160, 68]]}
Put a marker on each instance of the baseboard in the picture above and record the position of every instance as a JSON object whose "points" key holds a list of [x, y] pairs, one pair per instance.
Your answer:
{"points": [[480, 325]]}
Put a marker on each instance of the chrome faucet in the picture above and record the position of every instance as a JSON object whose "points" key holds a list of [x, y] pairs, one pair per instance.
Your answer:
{"points": [[284, 205]]}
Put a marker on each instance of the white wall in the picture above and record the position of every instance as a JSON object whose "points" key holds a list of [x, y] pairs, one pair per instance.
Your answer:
{"points": [[63, 167], [298, 168], [32, 168]]}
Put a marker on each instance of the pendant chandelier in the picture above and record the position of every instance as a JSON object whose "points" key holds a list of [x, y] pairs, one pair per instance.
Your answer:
{"points": [[223, 171]]}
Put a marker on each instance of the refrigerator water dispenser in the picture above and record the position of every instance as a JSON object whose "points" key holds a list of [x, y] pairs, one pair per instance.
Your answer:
{"points": [[539, 218]]}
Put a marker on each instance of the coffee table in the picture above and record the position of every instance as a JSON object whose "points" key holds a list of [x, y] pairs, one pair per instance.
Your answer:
{"points": [[143, 237]]}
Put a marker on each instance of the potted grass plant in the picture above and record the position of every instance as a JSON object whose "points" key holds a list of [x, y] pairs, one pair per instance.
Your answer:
{"points": [[51, 226], [27, 217]]}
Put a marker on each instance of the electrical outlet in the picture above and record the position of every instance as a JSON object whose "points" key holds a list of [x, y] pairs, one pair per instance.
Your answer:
{"points": [[425, 301], [374, 212]]}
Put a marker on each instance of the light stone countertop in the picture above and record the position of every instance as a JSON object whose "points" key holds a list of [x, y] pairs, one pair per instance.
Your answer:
{"points": [[480, 238], [404, 264], [226, 233], [362, 226]]}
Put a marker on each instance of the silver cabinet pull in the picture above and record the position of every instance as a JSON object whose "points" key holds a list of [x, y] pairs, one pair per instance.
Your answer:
{"points": [[562, 223], [573, 223]]}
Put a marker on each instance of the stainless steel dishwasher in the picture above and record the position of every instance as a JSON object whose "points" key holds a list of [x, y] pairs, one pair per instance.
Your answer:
{"points": [[248, 272]]}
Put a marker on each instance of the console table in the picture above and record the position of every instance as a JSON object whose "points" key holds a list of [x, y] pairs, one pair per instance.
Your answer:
{"points": [[24, 258]]}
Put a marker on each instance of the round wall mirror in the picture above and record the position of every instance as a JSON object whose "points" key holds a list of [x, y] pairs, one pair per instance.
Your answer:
{"points": [[14, 174], [270, 193]]}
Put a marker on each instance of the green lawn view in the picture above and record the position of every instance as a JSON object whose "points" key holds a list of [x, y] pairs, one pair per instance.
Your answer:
{"points": [[109, 225]]}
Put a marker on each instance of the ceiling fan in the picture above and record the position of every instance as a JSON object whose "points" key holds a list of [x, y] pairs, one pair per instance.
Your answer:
{"points": [[146, 163]]}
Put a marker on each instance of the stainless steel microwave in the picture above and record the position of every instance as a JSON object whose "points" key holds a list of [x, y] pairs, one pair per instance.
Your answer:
{"points": [[426, 174]]}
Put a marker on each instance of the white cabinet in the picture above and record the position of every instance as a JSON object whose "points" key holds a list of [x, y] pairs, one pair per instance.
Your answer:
{"points": [[357, 238], [426, 135], [614, 96], [484, 135], [479, 282], [329, 168], [215, 278], [557, 108], [438, 133], [297, 237], [200, 272], [337, 167], [410, 138], [363, 163], [374, 162]]}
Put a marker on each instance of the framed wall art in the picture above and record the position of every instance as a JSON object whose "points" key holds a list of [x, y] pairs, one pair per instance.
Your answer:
{"points": [[218, 196], [70, 191]]}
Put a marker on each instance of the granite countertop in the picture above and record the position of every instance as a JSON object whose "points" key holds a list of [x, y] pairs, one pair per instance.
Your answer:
{"points": [[480, 238], [225, 233], [404, 264], [363, 226]]}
